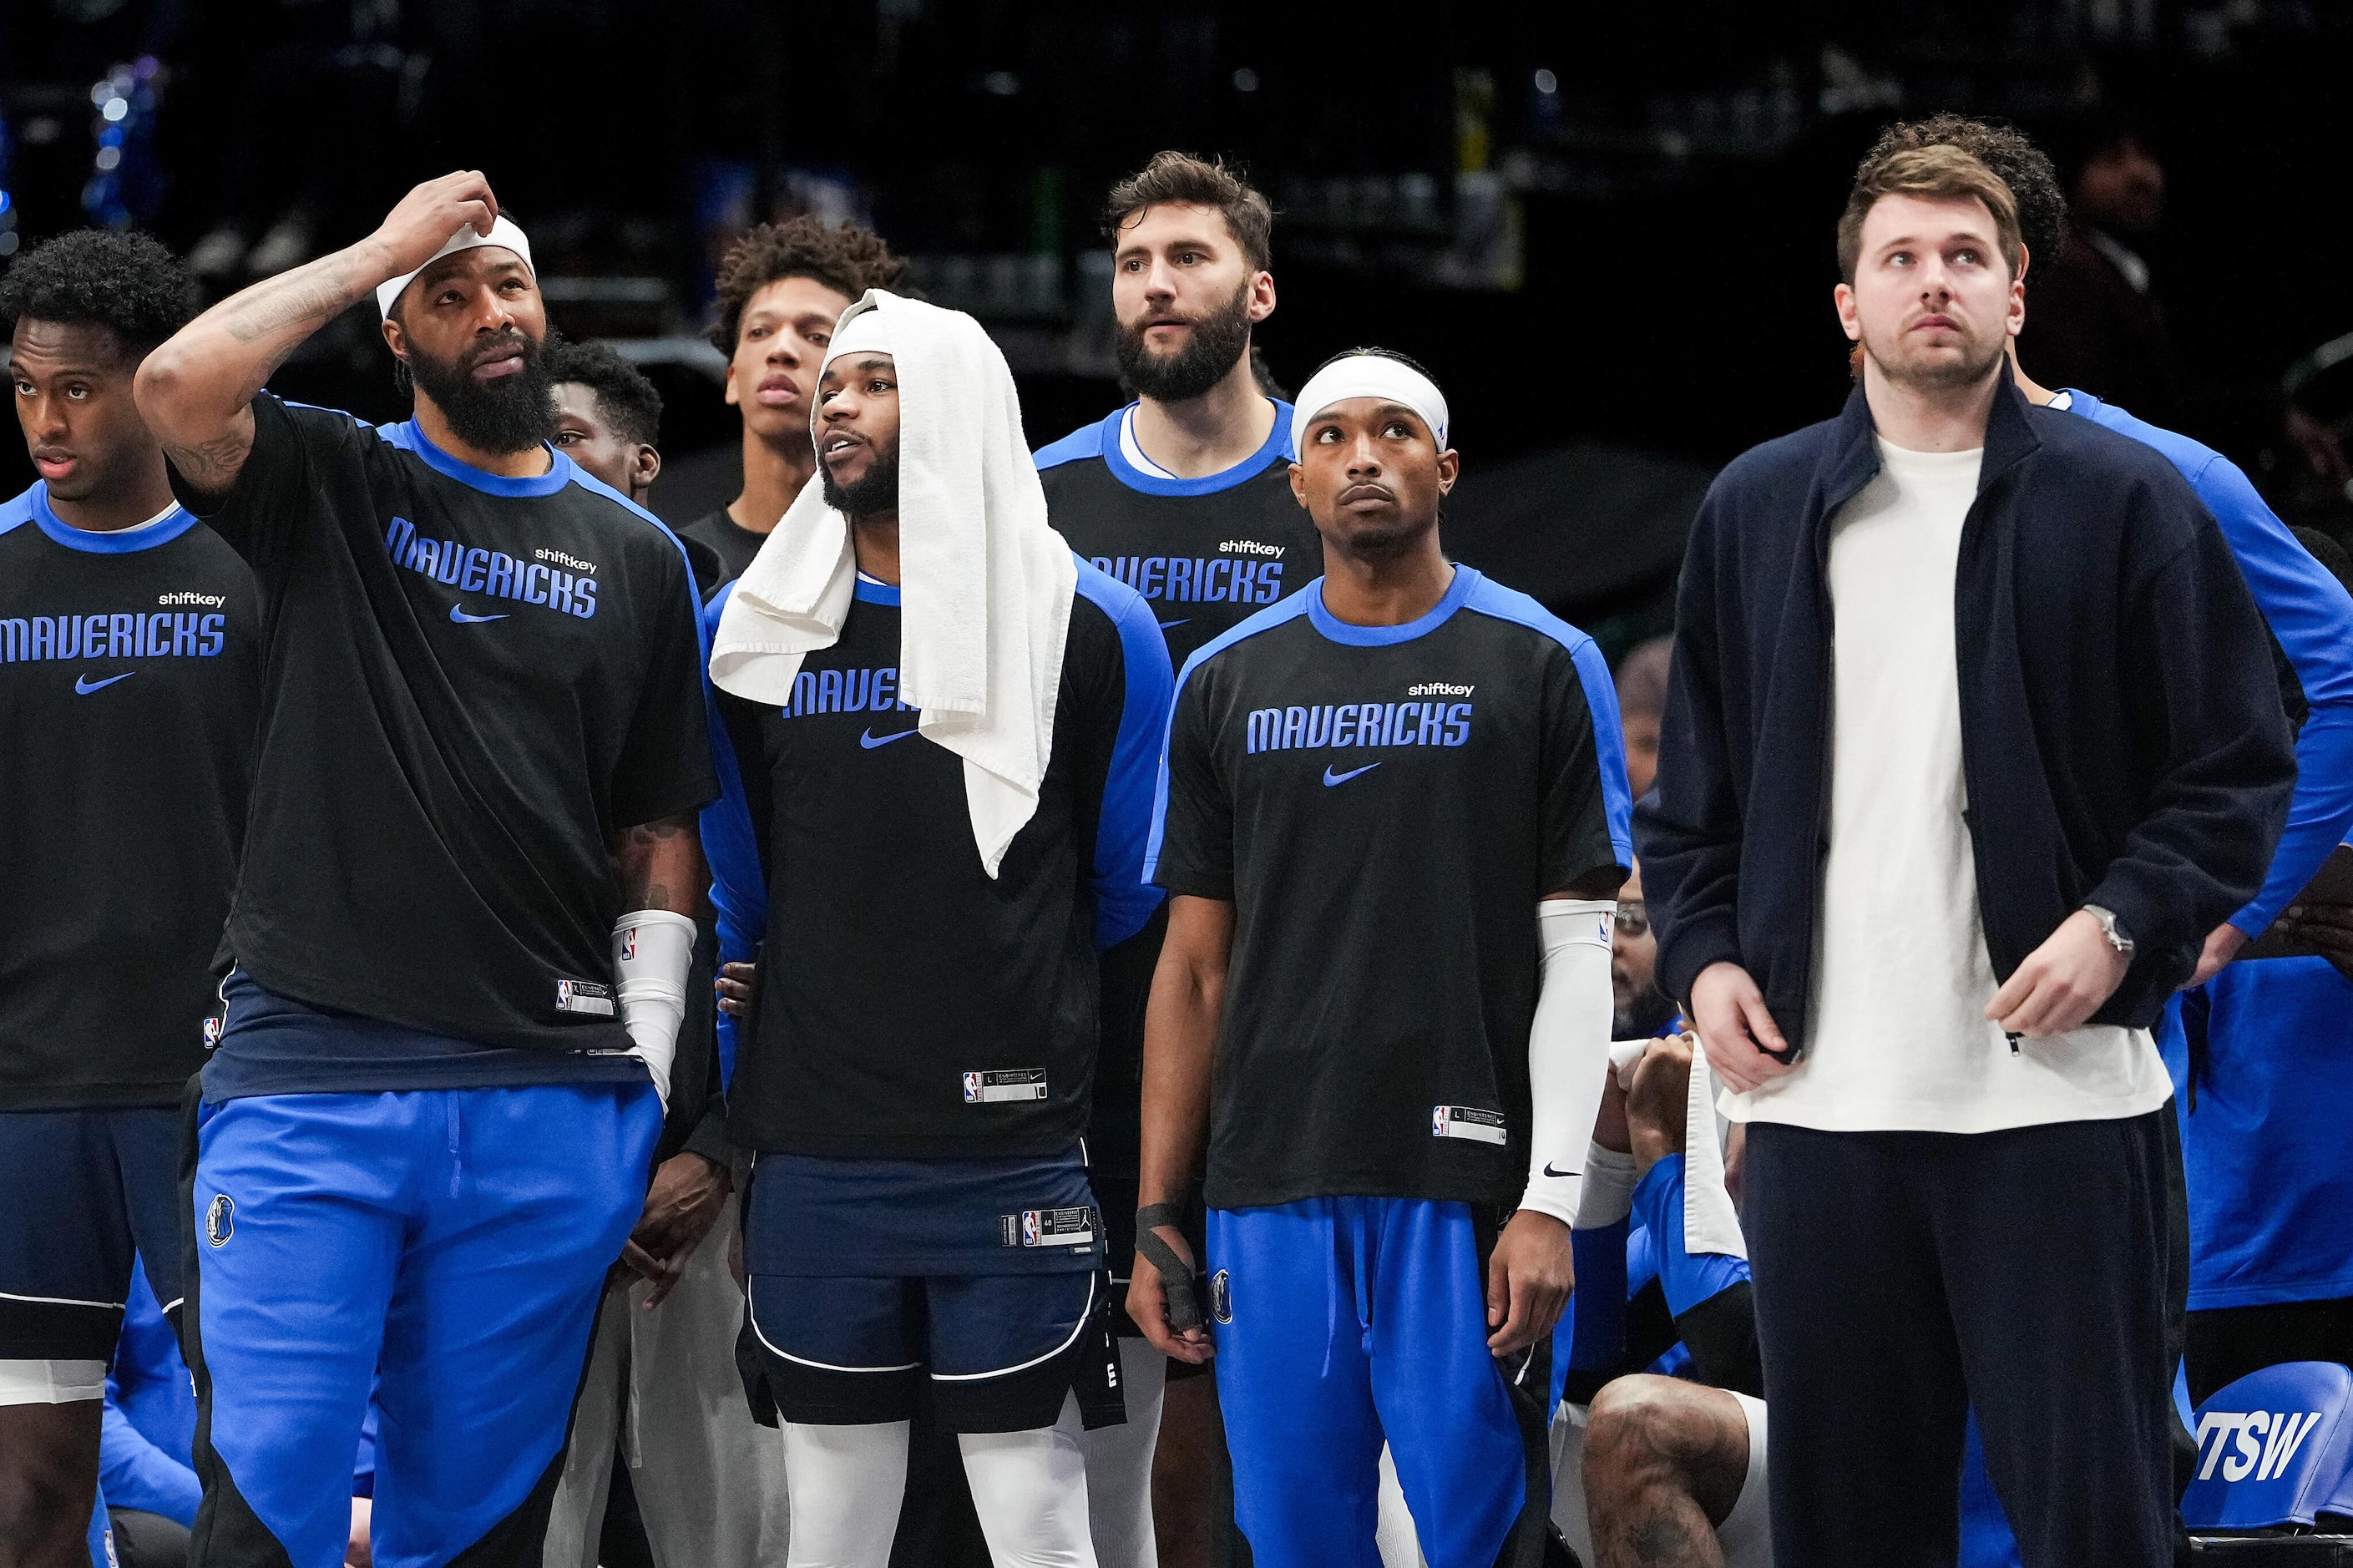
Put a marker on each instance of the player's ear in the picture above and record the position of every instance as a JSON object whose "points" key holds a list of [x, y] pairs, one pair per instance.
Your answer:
{"points": [[647, 464], [1449, 468], [394, 339], [1299, 486]]}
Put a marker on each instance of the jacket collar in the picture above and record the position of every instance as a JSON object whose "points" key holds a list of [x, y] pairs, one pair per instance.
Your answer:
{"points": [[1854, 458]]}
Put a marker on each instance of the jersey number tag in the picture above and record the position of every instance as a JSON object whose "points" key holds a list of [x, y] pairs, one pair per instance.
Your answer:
{"points": [[1012, 1083], [585, 997], [1071, 1227], [1467, 1122]]}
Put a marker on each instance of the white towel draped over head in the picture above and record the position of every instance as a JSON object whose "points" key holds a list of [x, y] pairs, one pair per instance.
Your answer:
{"points": [[985, 584]]}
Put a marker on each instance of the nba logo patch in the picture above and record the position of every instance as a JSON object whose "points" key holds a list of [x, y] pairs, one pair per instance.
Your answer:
{"points": [[972, 1088], [212, 1033], [1607, 932], [629, 944], [1029, 1227], [1438, 1122], [1222, 1297], [220, 1219]]}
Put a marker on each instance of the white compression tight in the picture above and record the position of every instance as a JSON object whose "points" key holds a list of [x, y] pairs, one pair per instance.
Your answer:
{"points": [[1028, 1487], [1119, 1464]]}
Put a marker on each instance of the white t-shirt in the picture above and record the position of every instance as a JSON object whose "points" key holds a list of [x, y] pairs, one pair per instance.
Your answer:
{"points": [[1898, 1039]]}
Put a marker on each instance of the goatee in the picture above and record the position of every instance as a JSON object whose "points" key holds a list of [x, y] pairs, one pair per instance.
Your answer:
{"points": [[877, 489], [510, 416], [1216, 342]]}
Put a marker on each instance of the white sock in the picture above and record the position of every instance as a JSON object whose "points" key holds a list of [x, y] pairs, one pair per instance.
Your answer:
{"points": [[844, 1484], [1119, 1464], [1030, 1491]]}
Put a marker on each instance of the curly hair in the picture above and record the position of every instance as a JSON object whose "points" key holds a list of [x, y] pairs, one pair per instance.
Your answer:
{"points": [[1187, 181], [848, 260], [628, 401], [2017, 161], [119, 280]]}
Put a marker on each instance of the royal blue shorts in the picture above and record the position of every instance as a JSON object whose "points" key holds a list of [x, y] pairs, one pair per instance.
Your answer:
{"points": [[1345, 1322]]}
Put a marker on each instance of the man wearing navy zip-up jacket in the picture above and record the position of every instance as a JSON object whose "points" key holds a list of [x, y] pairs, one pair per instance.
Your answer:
{"points": [[1971, 739]]}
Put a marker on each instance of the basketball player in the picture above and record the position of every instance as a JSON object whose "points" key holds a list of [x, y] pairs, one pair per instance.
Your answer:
{"points": [[950, 793], [460, 939], [129, 674], [2309, 613], [1659, 1471], [2000, 788], [1185, 494], [1393, 820], [608, 420], [781, 289]]}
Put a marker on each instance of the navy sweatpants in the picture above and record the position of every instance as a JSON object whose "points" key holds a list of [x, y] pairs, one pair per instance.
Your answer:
{"points": [[1903, 1277]]}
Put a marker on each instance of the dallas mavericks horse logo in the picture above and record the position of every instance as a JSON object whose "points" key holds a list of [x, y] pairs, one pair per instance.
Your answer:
{"points": [[220, 1220]]}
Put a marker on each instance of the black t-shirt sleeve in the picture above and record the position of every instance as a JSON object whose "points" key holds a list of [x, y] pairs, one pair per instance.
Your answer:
{"points": [[1193, 841], [1576, 807], [664, 768], [296, 452]]}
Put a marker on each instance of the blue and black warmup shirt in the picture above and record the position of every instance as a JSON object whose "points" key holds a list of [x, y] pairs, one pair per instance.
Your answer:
{"points": [[130, 679], [473, 683], [1385, 806], [1205, 553], [910, 1004]]}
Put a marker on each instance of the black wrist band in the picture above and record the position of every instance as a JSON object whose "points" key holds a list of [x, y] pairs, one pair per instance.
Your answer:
{"points": [[1175, 1274]]}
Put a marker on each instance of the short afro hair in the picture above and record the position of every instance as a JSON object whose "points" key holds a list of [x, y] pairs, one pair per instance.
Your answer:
{"points": [[628, 400], [848, 260], [119, 280], [2017, 161]]}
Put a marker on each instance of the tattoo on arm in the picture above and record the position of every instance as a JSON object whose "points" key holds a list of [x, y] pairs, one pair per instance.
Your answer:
{"points": [[308, 297], [660, 865], [212, 465]]}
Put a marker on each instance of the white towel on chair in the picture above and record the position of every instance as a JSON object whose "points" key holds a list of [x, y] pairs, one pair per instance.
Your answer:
{"points": [[985, 584]]}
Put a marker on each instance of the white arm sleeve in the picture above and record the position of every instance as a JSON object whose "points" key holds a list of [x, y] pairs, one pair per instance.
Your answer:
{"points": [[1568, 1048], [652, 952]]}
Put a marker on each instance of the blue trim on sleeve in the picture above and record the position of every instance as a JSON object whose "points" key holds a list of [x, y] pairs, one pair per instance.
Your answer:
{"points": [[1275, 614], [1124, 898], [562, 472], [1688, 1278], [730, 847], [1086, 441], [1334, 629], [867, 593], [121, 541], [1492, 598], [1102, 440], [2311, 615]]}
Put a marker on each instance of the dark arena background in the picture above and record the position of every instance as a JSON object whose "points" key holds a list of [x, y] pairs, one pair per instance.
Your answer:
{"points": [[1605, 229]]}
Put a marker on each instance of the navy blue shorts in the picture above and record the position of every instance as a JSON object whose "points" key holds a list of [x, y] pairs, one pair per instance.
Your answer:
{"points": [[968, 1290], [88, 1189]]}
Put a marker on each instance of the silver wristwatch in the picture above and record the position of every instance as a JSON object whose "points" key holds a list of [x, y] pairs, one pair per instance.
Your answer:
{"points": [[2110, 929]]}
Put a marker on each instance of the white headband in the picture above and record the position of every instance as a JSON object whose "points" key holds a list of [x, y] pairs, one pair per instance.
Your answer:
{"points": [[503, 234], [862, 333], [1369, 375]]}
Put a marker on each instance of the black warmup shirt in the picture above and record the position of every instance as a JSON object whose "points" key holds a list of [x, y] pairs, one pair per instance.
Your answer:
{"points": [[472, 683], [909, 1004], [733, 542], [1207, 553], [1385, 806], [130, 676]]}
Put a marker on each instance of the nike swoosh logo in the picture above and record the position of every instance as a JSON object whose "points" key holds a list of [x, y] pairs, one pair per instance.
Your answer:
{"points": [[1550, 1172], [457, 613], [870, 739], [1331, 778], [1177, 622], [84, 685]]}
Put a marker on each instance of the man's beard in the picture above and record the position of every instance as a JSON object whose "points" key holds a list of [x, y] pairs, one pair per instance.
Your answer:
{"points": [[1922, 373], [511, 415], [1211, 349], [877, 489]]}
